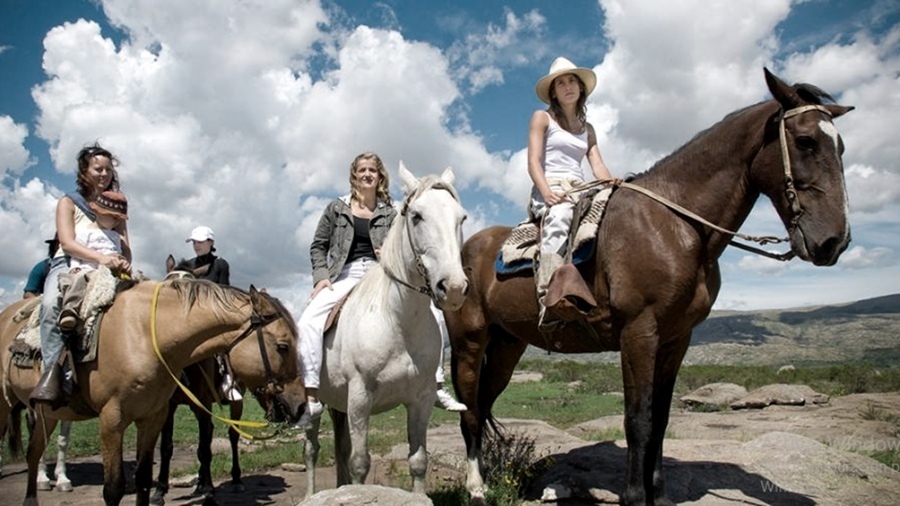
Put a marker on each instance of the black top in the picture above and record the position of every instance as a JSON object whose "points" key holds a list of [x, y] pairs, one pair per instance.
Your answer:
{"points": [[362, 243], [216, 269]]}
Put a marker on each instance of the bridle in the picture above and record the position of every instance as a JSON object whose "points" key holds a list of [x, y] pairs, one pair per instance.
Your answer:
{"points": [[790, 193], [425, 288]]}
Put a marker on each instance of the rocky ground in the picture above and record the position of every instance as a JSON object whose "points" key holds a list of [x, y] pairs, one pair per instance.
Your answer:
{"points": [[781, 455]]}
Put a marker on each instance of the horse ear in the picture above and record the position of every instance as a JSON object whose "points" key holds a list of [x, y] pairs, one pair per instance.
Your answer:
{"points": [[782, 92], [408, 181], [448, 176], [838, 110], [170, 263]]}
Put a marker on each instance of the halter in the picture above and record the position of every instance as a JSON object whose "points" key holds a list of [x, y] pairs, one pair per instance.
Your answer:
{"points": [[425, 289], [789, 190]]}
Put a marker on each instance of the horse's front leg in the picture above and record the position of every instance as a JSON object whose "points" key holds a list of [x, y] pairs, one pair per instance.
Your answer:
{"points": [[166, 449], [639, 355], [147, 433], [417, 416], [204, 450], [236, 410], [112, 428], [667, 366], [359, 408], [37, 443]]}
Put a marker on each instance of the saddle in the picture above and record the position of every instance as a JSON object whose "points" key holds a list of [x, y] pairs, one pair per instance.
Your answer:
{"points": [[568, 295], [101, 291]]}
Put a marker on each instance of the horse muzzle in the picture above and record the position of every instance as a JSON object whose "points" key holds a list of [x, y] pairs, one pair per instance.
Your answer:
{"points": [[450, 294], [820, 253]]}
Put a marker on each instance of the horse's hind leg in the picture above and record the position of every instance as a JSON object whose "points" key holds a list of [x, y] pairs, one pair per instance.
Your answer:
{"points": [[311, 452], [63, 484], [479, 391], [341, 446], [236, 411], [668, 364], [37, 443], [147, 433]]}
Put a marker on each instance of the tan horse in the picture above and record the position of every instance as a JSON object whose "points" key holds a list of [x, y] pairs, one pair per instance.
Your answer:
{"points": [[654, 271], [129, 384]]}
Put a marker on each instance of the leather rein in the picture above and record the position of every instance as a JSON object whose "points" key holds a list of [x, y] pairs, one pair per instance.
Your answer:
{"points": [[790, 193]]}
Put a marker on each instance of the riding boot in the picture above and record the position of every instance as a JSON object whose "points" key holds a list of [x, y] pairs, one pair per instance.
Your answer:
{"points": [[49, 387], [549, 262]]}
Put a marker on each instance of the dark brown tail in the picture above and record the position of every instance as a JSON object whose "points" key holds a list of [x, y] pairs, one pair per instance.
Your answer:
{"points": [[14, 430]]}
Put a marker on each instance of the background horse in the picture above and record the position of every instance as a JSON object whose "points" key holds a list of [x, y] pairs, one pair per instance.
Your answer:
{"points": [[129, 384], [654, 271], [386, 346]]}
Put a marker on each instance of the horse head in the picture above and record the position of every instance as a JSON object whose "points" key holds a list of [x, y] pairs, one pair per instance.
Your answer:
{"points": [[801, 171], [432, 218]]}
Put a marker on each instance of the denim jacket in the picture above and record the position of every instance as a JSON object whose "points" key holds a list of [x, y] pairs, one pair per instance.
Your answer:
{"points": [[334, 235]]}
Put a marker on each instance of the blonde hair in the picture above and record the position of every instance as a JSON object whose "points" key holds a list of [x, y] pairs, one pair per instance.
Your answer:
{"points": [[383, 182]]}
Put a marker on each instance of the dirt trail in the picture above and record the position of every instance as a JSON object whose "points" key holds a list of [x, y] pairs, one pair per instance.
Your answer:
{"points": [[779, 455]]}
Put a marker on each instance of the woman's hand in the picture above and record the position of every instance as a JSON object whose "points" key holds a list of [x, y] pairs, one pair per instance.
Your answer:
{"points": [[552, 198], [321, 285], [115, 263]]}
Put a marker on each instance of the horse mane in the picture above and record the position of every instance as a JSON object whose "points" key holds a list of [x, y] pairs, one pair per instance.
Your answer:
{"points": [[804, 92], [220, 299]]}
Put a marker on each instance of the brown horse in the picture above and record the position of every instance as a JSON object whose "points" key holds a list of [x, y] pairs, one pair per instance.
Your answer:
{"points": [[128, 383], [655, 271]]}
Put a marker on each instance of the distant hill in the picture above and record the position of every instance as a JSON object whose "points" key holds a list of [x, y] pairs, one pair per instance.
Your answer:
{"points": [[863, 331]]}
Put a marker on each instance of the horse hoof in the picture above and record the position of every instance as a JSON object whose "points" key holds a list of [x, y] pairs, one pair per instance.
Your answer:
{"points": [[157, 500], [64, 486], [476, 497], [44, 485]]}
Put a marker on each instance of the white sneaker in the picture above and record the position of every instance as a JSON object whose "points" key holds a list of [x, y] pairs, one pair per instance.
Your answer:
{"points": [[446, 401], [313, 411], [230, 391]]}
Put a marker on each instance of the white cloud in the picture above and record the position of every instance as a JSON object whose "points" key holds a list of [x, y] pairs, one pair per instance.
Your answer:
{"points": [[14, 158], [859, 257]]}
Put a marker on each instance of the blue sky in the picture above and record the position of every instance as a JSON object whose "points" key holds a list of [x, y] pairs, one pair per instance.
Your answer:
{"points": [[244, 115]]}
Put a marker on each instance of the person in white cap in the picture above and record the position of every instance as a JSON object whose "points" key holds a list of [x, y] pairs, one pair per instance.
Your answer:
{"points": [[208, 266], [559, 138]]}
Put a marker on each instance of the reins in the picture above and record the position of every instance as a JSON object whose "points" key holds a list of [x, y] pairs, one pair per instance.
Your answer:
{"points": [[257, 322], [790, 192]]}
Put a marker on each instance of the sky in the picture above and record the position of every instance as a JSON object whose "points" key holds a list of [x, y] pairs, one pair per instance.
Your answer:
{"points": [[244, 115]]}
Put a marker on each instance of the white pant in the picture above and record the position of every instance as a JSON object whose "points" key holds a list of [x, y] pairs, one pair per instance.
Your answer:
{"points": [[312, 322], [558, 218]]}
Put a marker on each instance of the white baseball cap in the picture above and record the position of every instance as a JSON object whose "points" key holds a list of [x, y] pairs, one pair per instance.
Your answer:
{"points": [[202, 233]]}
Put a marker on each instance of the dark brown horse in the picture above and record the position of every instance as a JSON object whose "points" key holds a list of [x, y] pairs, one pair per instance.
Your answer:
{"points": [[655, 272]]}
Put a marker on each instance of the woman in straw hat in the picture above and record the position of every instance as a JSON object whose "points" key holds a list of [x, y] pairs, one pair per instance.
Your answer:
{"points": [[559, 138]]}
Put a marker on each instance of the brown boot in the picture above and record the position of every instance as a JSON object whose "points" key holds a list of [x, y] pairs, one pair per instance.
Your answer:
{"points": [[548, 263], [49, 388]]}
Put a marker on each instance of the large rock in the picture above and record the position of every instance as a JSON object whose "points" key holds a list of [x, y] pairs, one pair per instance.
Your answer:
{"points": [[715, 394], [779, 393], [370, 495]]}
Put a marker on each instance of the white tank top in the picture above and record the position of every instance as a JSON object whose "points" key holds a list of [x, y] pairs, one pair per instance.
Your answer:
{"points": [[82, 222], [563, 152]]}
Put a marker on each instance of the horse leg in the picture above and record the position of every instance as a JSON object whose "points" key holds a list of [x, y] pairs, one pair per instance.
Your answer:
{"points": [[236, 411], [479, 391], [43, 427], [147, 433], [311, 452], [112, 429], [166, 449], [63, 484], [43, 477], [358, 423], [204, 451], [667, 366], [341, 446], [640, 355], [417, 416]]}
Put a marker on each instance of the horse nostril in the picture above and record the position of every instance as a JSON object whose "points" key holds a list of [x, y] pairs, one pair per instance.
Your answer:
{"points": [[442, 286], [465, 289]]}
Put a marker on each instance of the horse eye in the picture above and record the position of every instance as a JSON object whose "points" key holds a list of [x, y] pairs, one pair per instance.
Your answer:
{"points": [[806, 143], [416, 218], [283, 348]]}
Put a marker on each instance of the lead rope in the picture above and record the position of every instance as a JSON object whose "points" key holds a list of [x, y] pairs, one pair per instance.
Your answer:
{"points": [[234, 424]]}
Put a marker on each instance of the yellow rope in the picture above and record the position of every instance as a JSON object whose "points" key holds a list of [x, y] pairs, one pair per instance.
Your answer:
{"points": [[234, 424]]}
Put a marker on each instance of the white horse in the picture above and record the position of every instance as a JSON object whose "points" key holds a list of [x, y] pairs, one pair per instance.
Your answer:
{"points": [[386, 346]]}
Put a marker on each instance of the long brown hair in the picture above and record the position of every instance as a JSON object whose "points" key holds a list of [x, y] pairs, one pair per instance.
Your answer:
{"points": [[84, 161], [383, 183], [580, 106]]}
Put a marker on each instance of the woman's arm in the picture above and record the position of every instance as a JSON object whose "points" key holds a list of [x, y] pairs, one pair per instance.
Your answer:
{"points": [[318, 248], [593, 155]]}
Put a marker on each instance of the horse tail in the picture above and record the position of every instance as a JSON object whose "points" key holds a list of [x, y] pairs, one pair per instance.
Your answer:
{"points": [[14, 430]]}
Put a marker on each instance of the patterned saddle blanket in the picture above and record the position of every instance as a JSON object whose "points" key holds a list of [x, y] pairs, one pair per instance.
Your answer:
{"points": [[519, 251], [100, 293]]}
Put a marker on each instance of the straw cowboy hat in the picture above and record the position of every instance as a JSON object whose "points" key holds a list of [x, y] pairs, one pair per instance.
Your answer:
{"points": [[559, 67]]}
